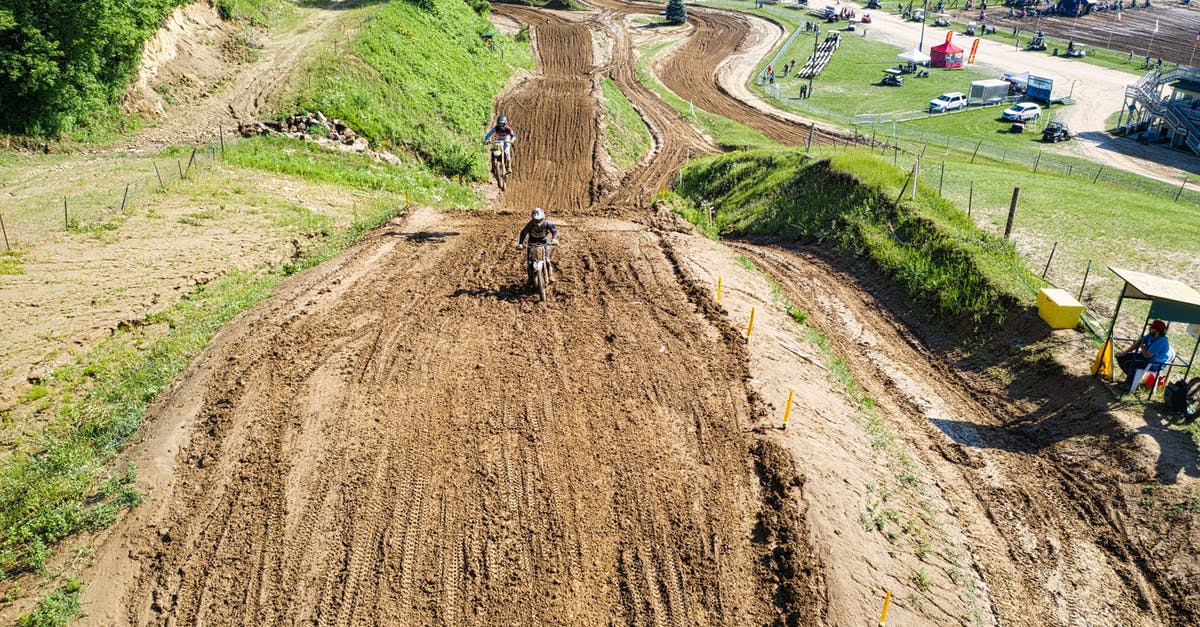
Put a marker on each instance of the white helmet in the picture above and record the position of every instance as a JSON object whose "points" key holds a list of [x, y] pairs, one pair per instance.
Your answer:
{"points": [[538, 214]]}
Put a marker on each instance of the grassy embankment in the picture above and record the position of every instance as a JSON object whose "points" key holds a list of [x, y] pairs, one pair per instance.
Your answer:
{"points": [[63, 484], [625, 135], [848, 201]]}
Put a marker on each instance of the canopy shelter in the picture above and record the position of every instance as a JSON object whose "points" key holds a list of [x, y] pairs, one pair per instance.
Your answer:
{"points": [[946, 55], [1170, 301], [913, 56]]}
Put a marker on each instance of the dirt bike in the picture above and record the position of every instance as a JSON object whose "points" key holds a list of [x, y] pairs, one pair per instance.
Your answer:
{"points": [[499, 162], [540, 273]]}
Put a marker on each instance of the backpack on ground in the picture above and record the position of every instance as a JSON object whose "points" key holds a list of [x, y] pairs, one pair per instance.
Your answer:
{"points": [[1175, 395]]}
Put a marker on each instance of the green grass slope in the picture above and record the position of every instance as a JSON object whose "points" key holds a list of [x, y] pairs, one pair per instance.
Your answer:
{"points": [[852, 202], [418, 80]]}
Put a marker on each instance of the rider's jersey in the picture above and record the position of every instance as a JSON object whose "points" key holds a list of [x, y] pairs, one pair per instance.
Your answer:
{"points": [[504, 132], [538, 232]]}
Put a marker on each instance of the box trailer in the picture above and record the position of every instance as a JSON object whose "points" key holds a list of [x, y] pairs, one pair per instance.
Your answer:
{"points": [[991, 91]]}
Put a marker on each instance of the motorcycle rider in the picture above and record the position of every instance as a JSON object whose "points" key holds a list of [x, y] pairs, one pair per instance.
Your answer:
{"points": [[504, 133], [539, 230]]}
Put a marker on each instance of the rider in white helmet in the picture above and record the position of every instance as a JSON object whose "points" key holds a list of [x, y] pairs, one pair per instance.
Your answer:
{"points": [[539, 230], [504, 133]]}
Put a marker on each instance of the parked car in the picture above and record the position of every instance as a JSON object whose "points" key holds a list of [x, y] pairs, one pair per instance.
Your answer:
{"points": [[948, 102], [1056, 132], [1021, 112]]}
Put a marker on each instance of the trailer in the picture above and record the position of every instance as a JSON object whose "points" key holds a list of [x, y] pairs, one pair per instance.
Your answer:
{"points": [[989, 92]]}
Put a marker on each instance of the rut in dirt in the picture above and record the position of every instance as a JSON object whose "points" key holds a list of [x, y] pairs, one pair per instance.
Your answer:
{"points": [[417, 441]]}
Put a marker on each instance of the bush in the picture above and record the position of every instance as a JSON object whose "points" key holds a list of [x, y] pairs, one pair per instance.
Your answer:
{"points": [[63, 62]]}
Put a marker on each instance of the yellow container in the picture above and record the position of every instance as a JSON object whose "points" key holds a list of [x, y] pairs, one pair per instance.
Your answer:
{"points": [[1059, 309]]}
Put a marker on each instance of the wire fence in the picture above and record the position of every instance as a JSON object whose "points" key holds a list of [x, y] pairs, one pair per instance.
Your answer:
{"points": [[915, 141], [43, 206]]}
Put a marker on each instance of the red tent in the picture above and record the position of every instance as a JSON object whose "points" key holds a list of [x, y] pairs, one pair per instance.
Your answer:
{"points": [[946, 55]]}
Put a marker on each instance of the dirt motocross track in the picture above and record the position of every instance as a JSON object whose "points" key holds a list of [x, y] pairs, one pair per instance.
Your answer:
{"points": [[403, 436]]}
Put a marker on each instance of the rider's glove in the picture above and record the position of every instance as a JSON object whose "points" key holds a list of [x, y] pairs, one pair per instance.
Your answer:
{"points": [[520, 246], [554, 242]]}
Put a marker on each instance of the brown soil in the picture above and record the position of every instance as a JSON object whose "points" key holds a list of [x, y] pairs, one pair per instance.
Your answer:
{"points": [[404, 436]]}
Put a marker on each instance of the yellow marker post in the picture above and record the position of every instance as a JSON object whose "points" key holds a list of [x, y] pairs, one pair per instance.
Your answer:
{"points": [[886, 601], [750, 327], [718, 290], [406, 198], [787, 413]]}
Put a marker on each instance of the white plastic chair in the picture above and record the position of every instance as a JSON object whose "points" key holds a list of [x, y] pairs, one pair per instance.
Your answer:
{"points": [[1159, 375]]}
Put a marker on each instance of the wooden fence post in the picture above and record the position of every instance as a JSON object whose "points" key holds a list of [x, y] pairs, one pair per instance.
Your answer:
{"points": [[1012, 211]]}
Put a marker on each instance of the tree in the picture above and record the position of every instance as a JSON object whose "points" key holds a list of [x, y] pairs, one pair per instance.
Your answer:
{"points": [[676, 12]]}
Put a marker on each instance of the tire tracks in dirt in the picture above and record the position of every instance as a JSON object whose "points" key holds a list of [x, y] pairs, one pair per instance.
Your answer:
{"points": [[416, 442], [1050, 545]]}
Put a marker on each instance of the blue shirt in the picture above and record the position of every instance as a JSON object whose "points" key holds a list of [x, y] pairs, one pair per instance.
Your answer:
{"points": [[1159, 349]]}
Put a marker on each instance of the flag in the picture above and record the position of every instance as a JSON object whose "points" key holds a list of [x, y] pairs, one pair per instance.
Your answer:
{"points": [[1198, 38], [1118, 14], [1155, 27], [1102, 366], [949, 35], [974, 47]]}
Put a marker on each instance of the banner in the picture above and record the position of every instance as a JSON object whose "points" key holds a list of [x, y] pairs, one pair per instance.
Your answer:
{"points": [[949, 34], [974, 47]]}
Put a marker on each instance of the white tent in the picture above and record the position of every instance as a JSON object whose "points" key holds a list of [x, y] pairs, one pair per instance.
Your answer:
{"points": [[913, 56]]}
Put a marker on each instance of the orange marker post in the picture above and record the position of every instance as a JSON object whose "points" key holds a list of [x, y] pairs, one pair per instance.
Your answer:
{"points": [[787, 413], [718, 290], [886, 601], [750, 327]]}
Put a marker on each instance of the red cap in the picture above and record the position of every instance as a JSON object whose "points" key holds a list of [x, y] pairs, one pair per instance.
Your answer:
{"points": [[1159, 325]]}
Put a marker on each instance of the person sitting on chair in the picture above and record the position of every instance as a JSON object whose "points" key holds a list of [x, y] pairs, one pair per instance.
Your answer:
{"points": [[1150, 352]]}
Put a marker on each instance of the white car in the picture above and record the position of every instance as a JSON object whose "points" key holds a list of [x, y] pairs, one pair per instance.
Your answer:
{"points": [[948, 102], [1021, 112]]}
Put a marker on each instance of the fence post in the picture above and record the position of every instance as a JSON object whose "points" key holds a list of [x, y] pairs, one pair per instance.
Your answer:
{"points": [[1097, 178], [179, 166], [976, 150], [5, 232], [1012, 211], [942, 179], [1180, 191], [1085, 277], [1070, 168], [1047, 268], [191, 160], [970, 198], [812, 127], [221, 132], [66, 220], [159, 175], [1037, 161], [124, 198]]}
